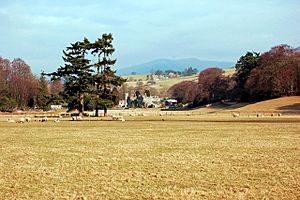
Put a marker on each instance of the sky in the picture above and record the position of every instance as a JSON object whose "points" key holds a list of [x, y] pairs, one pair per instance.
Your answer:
{"points": [[144, 30]]}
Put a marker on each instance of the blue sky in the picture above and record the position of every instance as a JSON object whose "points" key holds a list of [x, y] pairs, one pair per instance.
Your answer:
{"points": [[143, 30]]}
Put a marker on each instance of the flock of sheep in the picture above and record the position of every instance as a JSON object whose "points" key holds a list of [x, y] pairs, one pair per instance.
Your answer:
{"points": [[258, 115], [28, 119], [121, 118]]}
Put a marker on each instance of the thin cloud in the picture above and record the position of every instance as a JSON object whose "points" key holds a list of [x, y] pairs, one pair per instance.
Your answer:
{"points": [[38, 31]]}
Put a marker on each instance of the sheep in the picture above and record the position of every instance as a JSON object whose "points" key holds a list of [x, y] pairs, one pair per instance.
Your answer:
{"points": [[45, 119], [131, 114], [11, 121], [118, 118], [160, 114], [21, 120], [75, 118], [272, 114], [279, 114], [27, 119], [79, 118], [56, 120], [235, 114], [141, 114]]}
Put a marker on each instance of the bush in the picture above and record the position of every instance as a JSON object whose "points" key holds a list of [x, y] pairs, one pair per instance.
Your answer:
{"points": [[7, 104]]}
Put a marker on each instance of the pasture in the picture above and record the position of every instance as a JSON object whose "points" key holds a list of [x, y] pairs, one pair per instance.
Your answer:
{"points": [[152, 157]]}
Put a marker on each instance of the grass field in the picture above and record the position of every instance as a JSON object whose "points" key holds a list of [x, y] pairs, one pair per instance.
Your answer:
{"points": [[182, 157], [161, 85]]}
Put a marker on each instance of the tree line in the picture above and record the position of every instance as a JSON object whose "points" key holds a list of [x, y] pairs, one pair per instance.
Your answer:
{"points": [[257, 77], [85, 81], [20, 89], [189, 71]]}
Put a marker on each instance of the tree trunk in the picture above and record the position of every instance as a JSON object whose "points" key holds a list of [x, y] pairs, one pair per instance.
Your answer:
{"points": [[97, 106], [81, 102], [97, 111], [105, 110]]}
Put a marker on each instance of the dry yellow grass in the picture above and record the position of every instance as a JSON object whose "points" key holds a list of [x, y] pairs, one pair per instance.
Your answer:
{"points": [[161, 85], [166, 84], [229, 71], [182, 157], [284, 104]]}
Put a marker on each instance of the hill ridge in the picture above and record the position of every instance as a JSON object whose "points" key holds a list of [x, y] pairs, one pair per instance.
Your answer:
{"points": [[172, 64]]}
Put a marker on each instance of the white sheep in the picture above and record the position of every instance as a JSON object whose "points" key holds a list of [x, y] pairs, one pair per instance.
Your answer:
{"points": [[79, 117], [27, 119], [235, 114], [75, 118], [118, 118], [21, 120], [11, 121]]}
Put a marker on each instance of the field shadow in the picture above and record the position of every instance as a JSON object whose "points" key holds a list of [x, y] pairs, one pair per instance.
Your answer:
{"points": [[235, 106], [292, 107]]}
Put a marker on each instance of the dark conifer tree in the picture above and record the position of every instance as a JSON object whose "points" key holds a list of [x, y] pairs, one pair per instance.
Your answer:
{"points": [[243, 67], [105, 78], [76, 72]]}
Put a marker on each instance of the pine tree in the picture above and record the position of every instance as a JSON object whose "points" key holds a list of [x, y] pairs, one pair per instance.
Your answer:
{"points": [[243, 67], [105, 78], [81, 79], [42, 98], [76, 72]]}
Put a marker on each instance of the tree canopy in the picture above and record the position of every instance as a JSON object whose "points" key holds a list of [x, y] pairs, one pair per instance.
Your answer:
{"points": [[84, 76], [257, 77]]}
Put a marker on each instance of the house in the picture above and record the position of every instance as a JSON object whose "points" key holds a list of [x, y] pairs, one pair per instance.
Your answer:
{"points": [[170, 102], [56, 107]]}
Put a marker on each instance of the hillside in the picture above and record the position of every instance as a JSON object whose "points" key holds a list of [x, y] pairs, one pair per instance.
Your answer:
{"points": [[160, 85], [284, 104], [289, 105], [172, 64], [165, 84]]}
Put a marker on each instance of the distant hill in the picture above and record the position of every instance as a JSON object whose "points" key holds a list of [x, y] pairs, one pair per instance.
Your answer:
{"points": [[172, 64], [297, 49]]}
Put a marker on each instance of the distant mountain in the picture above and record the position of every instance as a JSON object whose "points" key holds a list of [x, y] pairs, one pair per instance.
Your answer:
{"points": [[172, 64], [297, 49]]}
